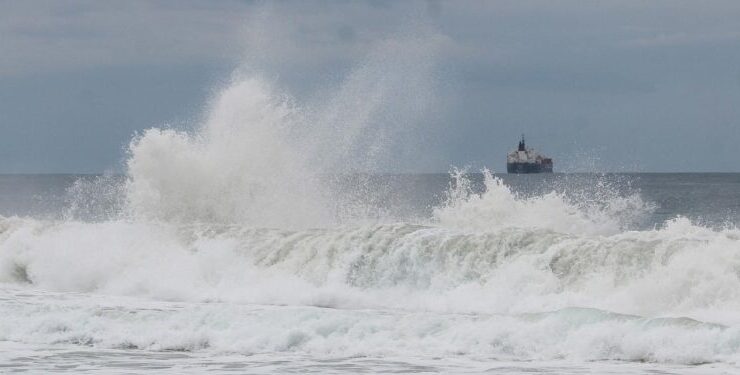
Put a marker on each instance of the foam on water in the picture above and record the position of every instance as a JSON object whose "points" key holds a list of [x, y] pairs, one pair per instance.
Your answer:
{"points": [[678, 269], [573, 333]]}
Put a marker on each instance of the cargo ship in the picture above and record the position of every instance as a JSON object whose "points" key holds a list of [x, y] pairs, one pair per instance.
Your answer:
{"points": [[527, 160]]}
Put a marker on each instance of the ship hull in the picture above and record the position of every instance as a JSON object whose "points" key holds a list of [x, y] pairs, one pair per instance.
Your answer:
{"points": [[528, 168]]}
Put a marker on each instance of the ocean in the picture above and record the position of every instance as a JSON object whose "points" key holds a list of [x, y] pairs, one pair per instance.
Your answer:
{"points": [[177, 267]]}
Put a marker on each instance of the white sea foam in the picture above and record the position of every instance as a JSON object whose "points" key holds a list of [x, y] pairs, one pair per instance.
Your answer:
{"points": [[580, 334], [679, 269]]}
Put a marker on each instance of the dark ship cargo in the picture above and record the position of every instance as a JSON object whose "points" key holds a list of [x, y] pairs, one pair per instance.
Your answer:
{"points": [[527, 160]]}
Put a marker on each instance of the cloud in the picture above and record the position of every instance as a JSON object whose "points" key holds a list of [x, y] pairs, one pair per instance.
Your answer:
{"points": [[48, 36], [675, 39]]}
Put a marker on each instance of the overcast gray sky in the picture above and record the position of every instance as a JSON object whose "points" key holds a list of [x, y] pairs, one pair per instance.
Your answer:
{"points": [[603, 86]]}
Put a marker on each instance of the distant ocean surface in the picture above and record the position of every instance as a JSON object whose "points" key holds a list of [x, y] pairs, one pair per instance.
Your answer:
{"points": [[168, 271]]}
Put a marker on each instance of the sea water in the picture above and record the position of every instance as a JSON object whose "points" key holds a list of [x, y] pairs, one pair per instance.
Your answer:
{"points": [[508, 274]]}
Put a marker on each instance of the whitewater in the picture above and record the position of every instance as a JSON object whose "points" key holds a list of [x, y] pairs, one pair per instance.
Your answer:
{"points": [[261, 241]]}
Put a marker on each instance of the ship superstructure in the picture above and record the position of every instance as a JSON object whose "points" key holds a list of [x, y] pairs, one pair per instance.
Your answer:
{"points": [[527, 160]]}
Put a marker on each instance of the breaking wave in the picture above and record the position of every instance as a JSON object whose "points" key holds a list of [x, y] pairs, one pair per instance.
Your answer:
{"points": [[680, 269], [490, 275]]}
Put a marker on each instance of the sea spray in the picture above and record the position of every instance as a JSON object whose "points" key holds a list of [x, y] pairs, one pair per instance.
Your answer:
{"points": [[239, 167], [500, 207], [261, 159]]}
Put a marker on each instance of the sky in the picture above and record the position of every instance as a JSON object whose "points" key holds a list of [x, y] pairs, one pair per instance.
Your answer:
{"points": [[648, 86]]}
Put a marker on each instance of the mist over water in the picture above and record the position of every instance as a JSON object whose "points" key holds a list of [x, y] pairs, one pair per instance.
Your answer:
{"points": [[262, 231]]}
